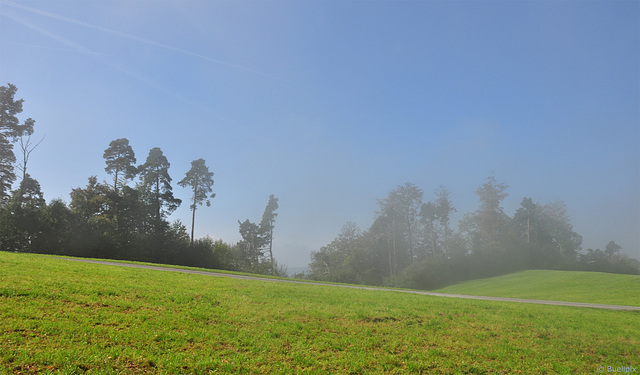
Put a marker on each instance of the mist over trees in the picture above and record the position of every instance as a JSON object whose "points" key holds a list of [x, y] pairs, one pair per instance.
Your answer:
{"points": [[411, 243], [256, 245]]}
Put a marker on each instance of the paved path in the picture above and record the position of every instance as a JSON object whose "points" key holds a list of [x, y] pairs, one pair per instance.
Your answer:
{"points": [[243, 277]]}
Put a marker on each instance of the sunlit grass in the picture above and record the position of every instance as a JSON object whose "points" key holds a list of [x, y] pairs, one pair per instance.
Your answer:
{"points": [[66, 317], [571, 286]]}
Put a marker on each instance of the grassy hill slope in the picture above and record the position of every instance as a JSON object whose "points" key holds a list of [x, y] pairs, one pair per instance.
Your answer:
{"points": [[66, 317], [571, 286]]}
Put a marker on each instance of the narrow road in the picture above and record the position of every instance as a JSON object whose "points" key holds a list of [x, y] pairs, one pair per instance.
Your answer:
{"points": [[485, 298]]}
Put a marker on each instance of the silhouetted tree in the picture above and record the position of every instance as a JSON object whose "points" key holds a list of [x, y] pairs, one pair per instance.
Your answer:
{"points": [[10, 130], [156, 187], [58, 229], [92, 209], [120, 160], [201, 181], [7, 175], [27, 147], [22, 217]]}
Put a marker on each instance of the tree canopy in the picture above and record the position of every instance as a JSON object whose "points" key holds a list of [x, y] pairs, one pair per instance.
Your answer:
{"points": [[10, 130], [155, 184], [120, 160], [413, 248], [411, 242]]}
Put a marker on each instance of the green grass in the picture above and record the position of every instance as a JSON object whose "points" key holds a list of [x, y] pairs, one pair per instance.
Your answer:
{"points": [[67, 317], [570, 286]]}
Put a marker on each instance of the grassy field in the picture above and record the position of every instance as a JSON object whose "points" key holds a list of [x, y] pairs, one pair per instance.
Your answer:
{"points": [[66, 317], [570, 286]]}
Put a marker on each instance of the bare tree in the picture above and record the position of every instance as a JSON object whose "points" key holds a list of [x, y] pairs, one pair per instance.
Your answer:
{"points": [[27, 147]]}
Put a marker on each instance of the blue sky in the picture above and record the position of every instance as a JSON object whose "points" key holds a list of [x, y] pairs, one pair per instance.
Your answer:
{"points": [[330, 105]]}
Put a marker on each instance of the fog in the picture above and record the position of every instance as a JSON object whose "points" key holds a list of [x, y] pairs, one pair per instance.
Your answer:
{"points": [[330, 106]]}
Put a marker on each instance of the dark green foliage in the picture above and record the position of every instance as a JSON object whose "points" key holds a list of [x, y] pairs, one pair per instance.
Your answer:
{"points": [[118, 226], [115, 220], [7, 175], [201, 181], [21, 217], [155, 188], [120, 222], [10, 126], [10, 130], [410, 242], [58, 222], [120, 160]]}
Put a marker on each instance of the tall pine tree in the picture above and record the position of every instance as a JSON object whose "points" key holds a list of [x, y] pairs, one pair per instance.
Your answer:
{"points": [[156, 187], [200, 180], [120, 160], [266, 226]]}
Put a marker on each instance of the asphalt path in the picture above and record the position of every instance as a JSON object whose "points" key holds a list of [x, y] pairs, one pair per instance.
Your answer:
{"points": [[243, 277]]}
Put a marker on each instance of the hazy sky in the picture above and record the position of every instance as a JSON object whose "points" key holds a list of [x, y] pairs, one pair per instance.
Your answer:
{"points": [[330, 105]]}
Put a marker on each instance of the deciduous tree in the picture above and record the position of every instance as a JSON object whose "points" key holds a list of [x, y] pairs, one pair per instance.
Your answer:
{"points": [[556, 224], [612, 249], [485, 225], [334, 261], [525, 217], [27, 147], [401, 208], [444, 209], [251, 246], [92, 209], [429, 215], [22, 217]]}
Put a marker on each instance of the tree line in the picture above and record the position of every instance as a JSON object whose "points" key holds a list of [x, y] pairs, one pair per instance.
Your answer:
{"points": [[113, 220], [412, 244]]}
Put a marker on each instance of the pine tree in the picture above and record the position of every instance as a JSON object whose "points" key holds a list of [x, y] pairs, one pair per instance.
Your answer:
{"points": [[201, 181], [120, 160], [10, 130], [156, 186], [267, 224]]}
